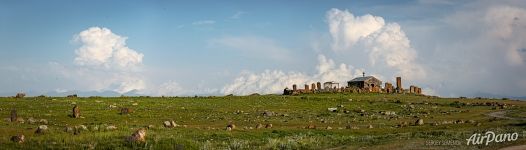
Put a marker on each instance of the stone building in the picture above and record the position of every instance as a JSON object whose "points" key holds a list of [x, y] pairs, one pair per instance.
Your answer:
{"points": [[369, 83]]}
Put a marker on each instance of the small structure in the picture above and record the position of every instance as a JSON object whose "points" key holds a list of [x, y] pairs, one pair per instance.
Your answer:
{"points": [[331, 85], [368, 82], [388, 87]]}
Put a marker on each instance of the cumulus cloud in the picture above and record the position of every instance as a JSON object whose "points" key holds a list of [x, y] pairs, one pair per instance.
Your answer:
{"points": [[385, 44], [102, 48], [274, 81], [103, 63]]}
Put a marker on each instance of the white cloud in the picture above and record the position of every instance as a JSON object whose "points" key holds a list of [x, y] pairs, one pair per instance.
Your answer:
{"points": [[102, 48], [204, 22], [386, 44], [270, 82]]}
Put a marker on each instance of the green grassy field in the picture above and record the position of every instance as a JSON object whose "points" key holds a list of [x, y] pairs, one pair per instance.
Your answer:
{"points": [[203, 121]]}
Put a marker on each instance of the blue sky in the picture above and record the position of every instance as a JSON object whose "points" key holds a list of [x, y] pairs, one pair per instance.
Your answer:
{"points": [[243, 47]]}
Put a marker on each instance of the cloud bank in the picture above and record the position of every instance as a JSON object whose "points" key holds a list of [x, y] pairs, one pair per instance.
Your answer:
{"points": [[274, 81], [385, 44]]}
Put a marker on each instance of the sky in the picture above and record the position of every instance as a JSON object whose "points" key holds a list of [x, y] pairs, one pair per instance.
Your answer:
{"points": [[450, 48]]}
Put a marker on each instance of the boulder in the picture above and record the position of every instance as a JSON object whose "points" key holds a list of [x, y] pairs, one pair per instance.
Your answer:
{"points": [[41, 129], [43, 121], [268, 113], [31, 120], [419, 122], [311, 126], [259, 126], [18, 138], [268, 126], [138, 136], [230, 126], [111, 127], [125, 111]]}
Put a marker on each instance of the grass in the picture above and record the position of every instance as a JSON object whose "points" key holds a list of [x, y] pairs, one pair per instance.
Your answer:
{"points": [[205, 119]]}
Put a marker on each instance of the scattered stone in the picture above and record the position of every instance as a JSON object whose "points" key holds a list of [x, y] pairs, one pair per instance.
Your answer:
{"points": [[311, 126], [81, 127], [41, 129], [150, 126], [43, 121], [125, 111], [94, 128], [68, 129], [471, 121], [170, 124], [31, 120], [76, 112], [332, 109], [328, 128], [135, 104], [18, 138], [230, 126], [112, 127], [20, 120], [419, 122], [259, 126], [459, 122], [268, 113], [370, 126], [268, 126], [138, 136]]}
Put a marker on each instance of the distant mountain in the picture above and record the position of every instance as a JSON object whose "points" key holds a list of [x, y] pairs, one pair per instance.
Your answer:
{"points": [[489, 95]]}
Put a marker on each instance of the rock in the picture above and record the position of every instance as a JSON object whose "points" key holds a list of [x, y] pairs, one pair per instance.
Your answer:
{"points": [[31, 120], [173, 124], [328, 128], [170, 124], [403, 124], [41, 129], [259, 126], [81, 127], [419, 122], [76, 112], [111, 127], [20, 120], [228, 128], [135, 104], [311, 126], [268, 113], [459, 122], [68, 129], [43, 121], [94, 128], [18, 138], [370, 126], [125, 111], [332, 109], [14, 116], [471, 121], [150, 126], [138, 136], [268, 126], [167, 124], [231, 126]]}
